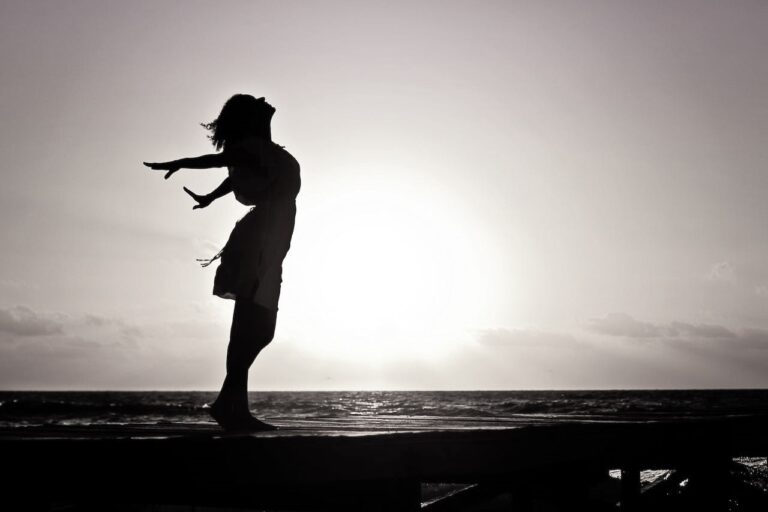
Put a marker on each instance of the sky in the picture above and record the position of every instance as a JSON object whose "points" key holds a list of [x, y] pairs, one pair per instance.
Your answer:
{"points": [[496, 195]]}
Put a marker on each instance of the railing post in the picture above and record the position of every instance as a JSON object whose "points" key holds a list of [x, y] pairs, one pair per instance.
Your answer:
{"points": [[630, 488]]}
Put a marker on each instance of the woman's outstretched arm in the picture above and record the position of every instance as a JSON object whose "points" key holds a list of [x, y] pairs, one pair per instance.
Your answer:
{"points": [[202, 201], [223, 159], [199, 162]]}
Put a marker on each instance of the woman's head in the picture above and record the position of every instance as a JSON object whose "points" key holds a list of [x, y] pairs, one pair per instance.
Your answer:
{"points": [[241, 116]]}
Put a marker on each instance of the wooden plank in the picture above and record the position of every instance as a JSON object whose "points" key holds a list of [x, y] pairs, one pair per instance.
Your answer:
{"points": [[435, 456], [654, 494]]}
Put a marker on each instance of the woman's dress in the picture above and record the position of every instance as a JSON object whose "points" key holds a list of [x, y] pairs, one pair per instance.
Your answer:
{"points": [[251, 264]]}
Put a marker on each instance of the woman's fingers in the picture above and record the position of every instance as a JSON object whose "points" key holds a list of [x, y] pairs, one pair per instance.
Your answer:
{"points": [[163, 166], [201, 202]]}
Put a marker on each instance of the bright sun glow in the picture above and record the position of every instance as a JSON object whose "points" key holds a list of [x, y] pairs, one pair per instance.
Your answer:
{"points": [[390, 267]]}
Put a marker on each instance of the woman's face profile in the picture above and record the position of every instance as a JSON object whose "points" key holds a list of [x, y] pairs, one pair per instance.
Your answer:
{"points": [[266, 106]]}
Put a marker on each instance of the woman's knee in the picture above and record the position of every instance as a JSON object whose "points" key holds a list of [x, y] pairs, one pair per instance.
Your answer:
{"points": [[253, 324]]}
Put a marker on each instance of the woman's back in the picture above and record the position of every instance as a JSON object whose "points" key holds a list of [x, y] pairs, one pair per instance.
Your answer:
{"points": [[274, 175]]}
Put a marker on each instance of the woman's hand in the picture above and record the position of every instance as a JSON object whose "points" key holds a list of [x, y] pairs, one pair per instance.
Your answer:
{"points": [[202, 201], [171, 167]]}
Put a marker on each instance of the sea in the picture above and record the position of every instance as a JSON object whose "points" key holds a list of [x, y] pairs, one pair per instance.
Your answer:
{"points": [[456, 408]]}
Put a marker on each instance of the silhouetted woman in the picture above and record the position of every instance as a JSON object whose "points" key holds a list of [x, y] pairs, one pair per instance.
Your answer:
{"points": [[264, 175]]}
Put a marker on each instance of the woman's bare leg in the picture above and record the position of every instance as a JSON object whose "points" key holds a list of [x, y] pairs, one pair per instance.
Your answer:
{"points": [[253, 327]]}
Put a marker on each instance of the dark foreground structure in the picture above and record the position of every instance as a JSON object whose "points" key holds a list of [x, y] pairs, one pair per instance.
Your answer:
{"points": [[561, 466]]}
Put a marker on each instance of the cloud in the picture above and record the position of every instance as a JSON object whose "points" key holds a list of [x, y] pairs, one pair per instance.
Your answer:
{"points": [[621, 324], [525, 338], [128, 332], [70, 350], [721, 271], [95, 320], [12, 284], [22, 321], [700, 330], [754, 338]]}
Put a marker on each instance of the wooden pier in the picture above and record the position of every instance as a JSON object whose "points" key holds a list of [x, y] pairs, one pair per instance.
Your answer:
{"points": [[338, 467]]}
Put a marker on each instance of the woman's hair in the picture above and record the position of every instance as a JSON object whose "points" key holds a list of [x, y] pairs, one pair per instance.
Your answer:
{"points": [[242, 115]]}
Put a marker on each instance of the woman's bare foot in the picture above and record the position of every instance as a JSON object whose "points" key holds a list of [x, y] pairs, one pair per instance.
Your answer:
{"points": [[231, 419]]}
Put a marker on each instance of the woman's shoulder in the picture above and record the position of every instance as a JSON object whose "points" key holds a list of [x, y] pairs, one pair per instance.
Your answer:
{"points": [[268, 154], [262, 146]]}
